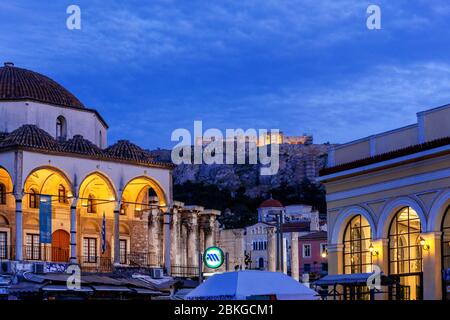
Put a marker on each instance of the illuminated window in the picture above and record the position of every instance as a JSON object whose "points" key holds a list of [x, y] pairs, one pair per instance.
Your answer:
{"points": [[2, 193], [32, 247], [61, 128], [405, 251], [33, 199], [91, 207], [90, 250], [446, 240], [357, 240], [61, 194], [123, 251], [3, 245]]}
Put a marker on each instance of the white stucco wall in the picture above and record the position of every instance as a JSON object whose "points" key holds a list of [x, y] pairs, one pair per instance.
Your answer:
{"points": [[86, 123]]}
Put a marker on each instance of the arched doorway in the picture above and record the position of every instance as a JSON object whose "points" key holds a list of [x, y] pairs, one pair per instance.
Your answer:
{"points": [[60, 246], [405, 254], [445, 245]]}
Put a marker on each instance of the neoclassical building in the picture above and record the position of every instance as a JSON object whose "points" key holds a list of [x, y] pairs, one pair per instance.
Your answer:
{"points": [[388, 199], [110, 205]]}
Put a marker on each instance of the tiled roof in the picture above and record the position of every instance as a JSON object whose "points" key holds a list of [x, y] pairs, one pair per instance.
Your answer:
{"points": [[302, 226], [128, 150], [271, 203], [314, 236], [21, 84], [34, 138], [387, 156], [80, 145], [30, 136]]}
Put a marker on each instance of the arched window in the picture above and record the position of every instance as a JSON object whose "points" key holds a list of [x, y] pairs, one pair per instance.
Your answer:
{"points": [[405, 252], [91, 208], [357, 242], [33, 199], [61, 194], [61, 128], [2, 193], [446, 250], [261, 263]]}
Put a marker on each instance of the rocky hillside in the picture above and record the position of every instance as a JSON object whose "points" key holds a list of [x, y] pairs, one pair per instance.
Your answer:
{"points": [[297, 162]]}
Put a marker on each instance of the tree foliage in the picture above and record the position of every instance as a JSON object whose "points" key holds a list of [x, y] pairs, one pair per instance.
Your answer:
{"points": [[238, 209]]}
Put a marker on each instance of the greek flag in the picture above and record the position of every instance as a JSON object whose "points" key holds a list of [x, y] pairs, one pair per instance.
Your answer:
{"points": [[104, 233]]}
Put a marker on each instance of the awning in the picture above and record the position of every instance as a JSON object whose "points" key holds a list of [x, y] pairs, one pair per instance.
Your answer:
{"points": [[25, 287], [111, 289], [147, 292], [350, 279], [61, 288]]}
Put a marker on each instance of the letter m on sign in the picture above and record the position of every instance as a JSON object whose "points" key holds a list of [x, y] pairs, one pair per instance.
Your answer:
{"points": [[212, 257]]}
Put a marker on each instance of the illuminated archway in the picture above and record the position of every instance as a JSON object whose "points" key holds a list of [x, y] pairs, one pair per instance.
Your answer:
{"points": [[47, 181], [97, 195], [141, 194], [6, 189], [405, 252]]}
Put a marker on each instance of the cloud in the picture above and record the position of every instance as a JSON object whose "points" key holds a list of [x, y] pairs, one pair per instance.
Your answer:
{"points": [[383, 97]]}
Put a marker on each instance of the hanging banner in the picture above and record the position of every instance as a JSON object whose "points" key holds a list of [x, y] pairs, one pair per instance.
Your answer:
{"points": [[103, 233], [45, 219]]}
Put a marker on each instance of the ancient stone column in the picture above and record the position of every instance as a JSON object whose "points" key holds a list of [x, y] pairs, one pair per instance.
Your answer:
{"points": [[271, 249], [167, 239], [155, 235], [183, 245], [209, 239], [175, 234], [193, 240], [295, 273], [201, 239]]}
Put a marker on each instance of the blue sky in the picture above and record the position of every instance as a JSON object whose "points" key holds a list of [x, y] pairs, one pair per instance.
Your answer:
{"points": [[299, 66]]}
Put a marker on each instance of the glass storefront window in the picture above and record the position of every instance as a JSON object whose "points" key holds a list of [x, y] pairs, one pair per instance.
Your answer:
{"points": [[357, 241]]}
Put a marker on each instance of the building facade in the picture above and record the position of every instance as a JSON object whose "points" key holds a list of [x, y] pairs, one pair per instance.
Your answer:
{"points": [[255, 246], [388, 198], [110, 205], [313, 256]]}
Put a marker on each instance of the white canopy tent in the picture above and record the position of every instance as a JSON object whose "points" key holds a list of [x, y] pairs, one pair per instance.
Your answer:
{"points": [[243, 285]]}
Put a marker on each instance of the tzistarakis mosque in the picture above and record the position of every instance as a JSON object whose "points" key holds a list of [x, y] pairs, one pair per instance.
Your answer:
{"points": [[111, 205], [388, 198]]}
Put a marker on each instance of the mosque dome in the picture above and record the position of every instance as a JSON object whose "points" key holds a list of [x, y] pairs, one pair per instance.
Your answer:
{"points": [[22, 84]]}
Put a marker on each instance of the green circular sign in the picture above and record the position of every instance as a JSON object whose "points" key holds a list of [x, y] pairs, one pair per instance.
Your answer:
{"points": [[213, 257]]}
